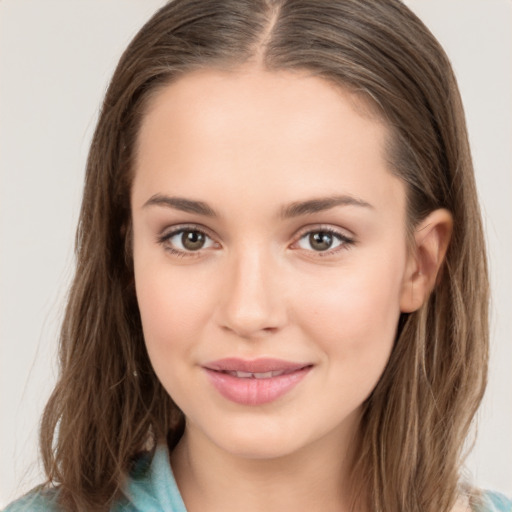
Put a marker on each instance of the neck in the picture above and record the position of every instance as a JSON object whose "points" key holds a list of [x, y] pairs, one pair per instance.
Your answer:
{"points": [[309, 479]]}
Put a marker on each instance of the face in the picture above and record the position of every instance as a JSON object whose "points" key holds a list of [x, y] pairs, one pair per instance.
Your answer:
{"points": [[270, 256]]}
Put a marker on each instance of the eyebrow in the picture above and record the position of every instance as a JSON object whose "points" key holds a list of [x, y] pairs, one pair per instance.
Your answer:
{"points": [[182, 204], [311, 206], [294, 209]]}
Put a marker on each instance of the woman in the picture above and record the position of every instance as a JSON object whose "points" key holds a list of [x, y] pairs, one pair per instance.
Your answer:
{"points": [[281, 287]]}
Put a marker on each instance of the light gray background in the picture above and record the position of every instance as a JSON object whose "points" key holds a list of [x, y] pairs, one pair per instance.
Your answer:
{"points": [[56, 57]]}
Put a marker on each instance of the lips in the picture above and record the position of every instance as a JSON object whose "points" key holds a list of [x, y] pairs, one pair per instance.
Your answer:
{"points": [[255, 382], [255, 375]]}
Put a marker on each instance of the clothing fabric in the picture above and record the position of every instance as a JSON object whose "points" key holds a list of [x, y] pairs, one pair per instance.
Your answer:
{"points": [[152, 488], [495, 502]]}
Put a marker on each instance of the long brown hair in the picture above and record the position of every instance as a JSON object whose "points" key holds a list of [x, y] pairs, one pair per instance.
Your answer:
{"points": [[108, 404]]}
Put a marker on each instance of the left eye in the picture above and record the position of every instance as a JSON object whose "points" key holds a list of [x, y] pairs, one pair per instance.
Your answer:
{"points": [[189, 240], [321, 241]]}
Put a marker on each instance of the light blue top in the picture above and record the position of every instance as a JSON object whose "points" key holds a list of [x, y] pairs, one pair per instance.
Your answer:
{"points": [[152, 488], [495, 502]]}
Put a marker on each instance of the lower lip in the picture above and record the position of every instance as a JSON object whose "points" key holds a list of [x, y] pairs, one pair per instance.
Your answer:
{"points": [[250, 391]]}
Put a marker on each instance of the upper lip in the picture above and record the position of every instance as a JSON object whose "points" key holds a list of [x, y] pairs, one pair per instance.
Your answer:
{"points": [[262, 365]]}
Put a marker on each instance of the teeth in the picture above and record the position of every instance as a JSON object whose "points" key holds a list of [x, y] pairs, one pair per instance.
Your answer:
{"points": [[265, 375], [258, 375], [243, 375]]}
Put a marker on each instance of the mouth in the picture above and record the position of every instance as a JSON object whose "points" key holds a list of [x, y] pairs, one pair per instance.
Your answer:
{"points": [[255, 382], [256, 375]]}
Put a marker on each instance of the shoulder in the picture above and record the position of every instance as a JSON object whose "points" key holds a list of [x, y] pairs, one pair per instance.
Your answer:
{"points": [[482, 501], [493, 502], [150, 486], [37, 500], [473, 499]]}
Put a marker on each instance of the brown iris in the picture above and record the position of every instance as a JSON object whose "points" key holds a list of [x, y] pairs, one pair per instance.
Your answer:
{"points": [[321, 240], [193, 240]]}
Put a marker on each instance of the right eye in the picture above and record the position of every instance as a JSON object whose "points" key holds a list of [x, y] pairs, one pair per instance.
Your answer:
{"points": [[185, 241]]}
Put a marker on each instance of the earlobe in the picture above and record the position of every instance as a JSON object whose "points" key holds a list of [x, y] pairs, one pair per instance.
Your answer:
{"points": [[431, 240]]}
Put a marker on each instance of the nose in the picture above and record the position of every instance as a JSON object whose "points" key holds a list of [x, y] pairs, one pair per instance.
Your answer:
{"points": [[252, 303]]}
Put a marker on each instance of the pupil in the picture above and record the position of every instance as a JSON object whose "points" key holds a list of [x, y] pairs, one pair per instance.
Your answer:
{"points": [[192, 240], [320, 241]]}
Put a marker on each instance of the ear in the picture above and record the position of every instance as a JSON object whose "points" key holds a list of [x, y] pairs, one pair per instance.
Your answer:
{"points": [[431, 239]]}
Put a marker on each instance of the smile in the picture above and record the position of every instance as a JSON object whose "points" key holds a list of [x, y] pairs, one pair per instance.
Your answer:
{"points": [[255, 382], [260, 375]]}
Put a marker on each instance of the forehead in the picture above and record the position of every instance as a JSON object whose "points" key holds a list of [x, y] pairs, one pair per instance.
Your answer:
{"points": [[298, 96], [287, 130]]}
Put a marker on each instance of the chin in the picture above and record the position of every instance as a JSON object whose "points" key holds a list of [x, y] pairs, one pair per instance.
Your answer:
{"points": [[259, 440], [260, 449]]}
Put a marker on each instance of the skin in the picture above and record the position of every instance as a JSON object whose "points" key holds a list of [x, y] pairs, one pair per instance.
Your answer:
{"points": [[249, 143]]}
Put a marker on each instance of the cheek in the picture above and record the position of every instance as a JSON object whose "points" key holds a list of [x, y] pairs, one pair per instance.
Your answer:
{"points": [[174, 307], [173, 312], [355, 310], [170, 306]]}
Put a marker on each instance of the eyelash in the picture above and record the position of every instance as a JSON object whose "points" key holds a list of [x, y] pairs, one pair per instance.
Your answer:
{"points": [[345, 241], [164, 240]]}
